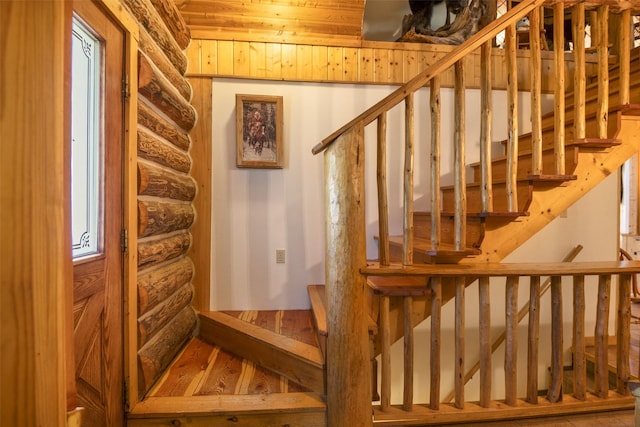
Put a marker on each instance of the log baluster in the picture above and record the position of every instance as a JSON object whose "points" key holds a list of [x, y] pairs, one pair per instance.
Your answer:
{"points": [[459, 345], [459, 167], [407, 249], [512, 119], [536, 91], [602, 337], [383, 204], [485, 341], [534, 339], [436, 313], [559, 104], [436, 229], [511, 341], [624, 55], [579, 357], [407, 401], [623, 334], [579, 74], [385, 358], [555, 387], [485, 127], [603, 70]]}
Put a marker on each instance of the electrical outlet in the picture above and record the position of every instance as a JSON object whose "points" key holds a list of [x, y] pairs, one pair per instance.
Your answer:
{"points": [[280, 256]]}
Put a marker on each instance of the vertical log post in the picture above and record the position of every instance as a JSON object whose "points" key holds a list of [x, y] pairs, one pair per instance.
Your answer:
{"points": [[383, 204], [579, 356], [459, 345], [623, 334], [407, 401], [559, 104], [485, 341], [512, 119], [436, 229], [555, 388], [624, 55], [511, 341], [436, 306], [407, 252], [459, 167], [385, 358], [348, 361], [486, 118], [534, 339], [536, 91], [579, 74], [603, 70], [602, 337]]}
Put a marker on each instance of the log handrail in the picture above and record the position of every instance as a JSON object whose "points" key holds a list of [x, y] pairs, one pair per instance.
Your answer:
{"points": [[474, 42]]}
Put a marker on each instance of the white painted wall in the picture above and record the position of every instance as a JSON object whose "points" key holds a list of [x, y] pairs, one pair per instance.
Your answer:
{"points": [[256, 211]]}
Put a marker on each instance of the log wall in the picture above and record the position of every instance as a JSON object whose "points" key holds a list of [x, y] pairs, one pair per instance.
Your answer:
{"points": [[166, 189]]}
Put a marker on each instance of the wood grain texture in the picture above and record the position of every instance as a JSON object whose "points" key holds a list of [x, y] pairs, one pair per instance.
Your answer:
{"points": [[174, 21], [155, 218], [158, 182], [157, 284], [156, 251], [151, 148], [153, 320], [150, 119], [35, 178]]}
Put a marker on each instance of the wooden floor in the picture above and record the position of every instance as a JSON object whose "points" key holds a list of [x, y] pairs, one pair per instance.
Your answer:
{"points": [[204, 369]]}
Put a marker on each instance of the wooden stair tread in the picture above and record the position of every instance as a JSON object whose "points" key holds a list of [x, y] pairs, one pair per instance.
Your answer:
{"points": [[398, 286], [319, 304], [475, 214], [296, 360], [424, 245]]}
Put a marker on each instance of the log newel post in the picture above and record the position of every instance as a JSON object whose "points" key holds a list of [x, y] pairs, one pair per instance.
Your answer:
{"points": [[348, 361]]}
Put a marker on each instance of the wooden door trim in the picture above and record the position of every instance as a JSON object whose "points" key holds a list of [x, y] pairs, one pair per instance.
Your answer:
{"points": [[130, 194]]}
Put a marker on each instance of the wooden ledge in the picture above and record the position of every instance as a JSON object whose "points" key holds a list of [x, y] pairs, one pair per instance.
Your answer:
{"points": [[598, 142], [552, 178], [506, 269], [399, 286]]}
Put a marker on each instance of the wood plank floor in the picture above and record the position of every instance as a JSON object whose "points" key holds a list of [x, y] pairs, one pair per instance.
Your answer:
{"points": [[203, 369]]}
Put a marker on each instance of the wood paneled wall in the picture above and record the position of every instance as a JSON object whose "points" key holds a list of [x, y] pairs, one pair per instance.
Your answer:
{"points": [[369, 63], [166, 189]]}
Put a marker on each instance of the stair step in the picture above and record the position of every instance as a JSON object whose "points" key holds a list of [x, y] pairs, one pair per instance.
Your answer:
{"points": [[319, 308], [423, 253], [524, 191], [399, 286], [298, 361]]}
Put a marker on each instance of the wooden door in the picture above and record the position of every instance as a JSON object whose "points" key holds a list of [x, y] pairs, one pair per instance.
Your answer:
{"points": [[97, 112]]}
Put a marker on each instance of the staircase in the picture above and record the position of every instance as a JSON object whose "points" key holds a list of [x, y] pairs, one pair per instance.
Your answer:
{"points": [[475, 223]]}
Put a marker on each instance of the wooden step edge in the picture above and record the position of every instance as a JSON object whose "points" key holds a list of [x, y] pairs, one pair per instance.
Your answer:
{"points": [[448, 414], [237, 328], [472, 215], [398, 286], [598, 142], [423, 245], [629, 109], [318, 308], [319, 304], [181, 406], [552, 178]]}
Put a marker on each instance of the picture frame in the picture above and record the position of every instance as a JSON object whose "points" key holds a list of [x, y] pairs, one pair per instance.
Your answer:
{"points": [[259, 131]]}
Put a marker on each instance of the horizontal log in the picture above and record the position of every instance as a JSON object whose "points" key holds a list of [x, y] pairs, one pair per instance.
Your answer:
{"points": [[156, 251], [156, 354], [151, 148], [158, 182], [158, 58], [150, 119], [174, 21], [161, 217], [157, 89], [154, 320], [146, 15], [156, 285]]}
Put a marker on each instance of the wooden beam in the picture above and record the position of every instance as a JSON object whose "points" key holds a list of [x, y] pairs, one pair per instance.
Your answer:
{"points": [[36, 266]]}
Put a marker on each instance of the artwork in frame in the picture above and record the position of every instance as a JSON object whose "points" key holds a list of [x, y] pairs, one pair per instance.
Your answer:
{"points": [[259, 131]]}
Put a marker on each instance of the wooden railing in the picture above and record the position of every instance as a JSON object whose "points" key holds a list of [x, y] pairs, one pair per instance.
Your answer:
{"points": [[345, 194], [606, 274]]}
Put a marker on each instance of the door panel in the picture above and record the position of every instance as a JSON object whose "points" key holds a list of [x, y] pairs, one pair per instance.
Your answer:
{"points": [[98, 283]]}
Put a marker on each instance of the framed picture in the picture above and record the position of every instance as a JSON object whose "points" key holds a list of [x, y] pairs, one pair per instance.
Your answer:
{"points": [[259, 131]]}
